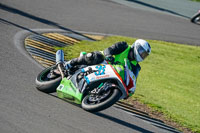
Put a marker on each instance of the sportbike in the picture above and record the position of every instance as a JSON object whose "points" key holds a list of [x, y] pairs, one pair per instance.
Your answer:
{"points": [[95, 87], [196, 18]]}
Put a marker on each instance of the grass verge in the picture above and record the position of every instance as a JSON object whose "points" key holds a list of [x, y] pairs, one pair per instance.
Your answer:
{"points": [[196, 0], [169, 79]]}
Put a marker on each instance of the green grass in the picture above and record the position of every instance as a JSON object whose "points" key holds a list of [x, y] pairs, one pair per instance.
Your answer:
{"points": [[196, 0], [168, 81]]}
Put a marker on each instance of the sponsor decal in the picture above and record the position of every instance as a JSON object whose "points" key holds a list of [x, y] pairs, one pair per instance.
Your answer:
{"points": [[100, 70], [104, 76], [60, 87]]}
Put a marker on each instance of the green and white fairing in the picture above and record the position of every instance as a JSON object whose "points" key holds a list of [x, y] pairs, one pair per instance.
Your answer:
{"points": [[72, 90], [66, 90]]}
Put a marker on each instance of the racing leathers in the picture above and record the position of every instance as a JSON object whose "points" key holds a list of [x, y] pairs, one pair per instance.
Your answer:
{"points": [[92, 58], [116, 53], [120, 51]]}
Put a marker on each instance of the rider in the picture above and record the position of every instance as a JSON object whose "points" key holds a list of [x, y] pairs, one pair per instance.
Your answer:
{"points": [[135, 53]]}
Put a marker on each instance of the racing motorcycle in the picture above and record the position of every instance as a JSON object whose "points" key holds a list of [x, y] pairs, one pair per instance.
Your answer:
{"points": [[196, 18], [95, 87]]}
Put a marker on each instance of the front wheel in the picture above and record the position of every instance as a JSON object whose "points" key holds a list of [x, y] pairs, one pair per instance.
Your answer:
{"points": [[94, 103], [47, 81], [196, 19]]}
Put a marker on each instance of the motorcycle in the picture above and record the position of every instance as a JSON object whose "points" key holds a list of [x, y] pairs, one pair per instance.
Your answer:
{"points": [[95, 87], [196, 18]]}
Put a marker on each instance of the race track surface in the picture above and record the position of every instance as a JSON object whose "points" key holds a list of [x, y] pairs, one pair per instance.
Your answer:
{"points": [[24, 109]]}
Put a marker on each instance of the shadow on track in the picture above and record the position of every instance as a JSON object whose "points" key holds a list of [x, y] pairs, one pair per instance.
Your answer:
{"points": [[158, 124], [155, 122], [30, 16], [124, 123], [19, 26]]}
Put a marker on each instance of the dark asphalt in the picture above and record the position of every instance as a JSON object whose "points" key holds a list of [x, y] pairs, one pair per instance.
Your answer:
{"points": [[183, 8], [24, 109]]}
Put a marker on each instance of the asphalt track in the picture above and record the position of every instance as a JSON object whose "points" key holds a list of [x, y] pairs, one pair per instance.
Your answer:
{"points": [[24, 109]]}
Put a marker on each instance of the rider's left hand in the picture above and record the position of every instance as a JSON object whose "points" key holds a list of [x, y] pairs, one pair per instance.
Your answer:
{"points": [[110, 58]]}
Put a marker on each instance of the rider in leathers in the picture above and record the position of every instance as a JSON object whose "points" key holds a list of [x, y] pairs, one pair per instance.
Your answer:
{"points": [[135, 53]]}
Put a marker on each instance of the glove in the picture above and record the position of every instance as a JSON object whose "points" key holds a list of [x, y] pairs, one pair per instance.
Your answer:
{"points": [[110, 58], [67, 65]]}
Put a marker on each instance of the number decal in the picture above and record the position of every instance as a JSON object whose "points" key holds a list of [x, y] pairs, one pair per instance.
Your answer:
{"points": [[60, 87], [101, 70]]}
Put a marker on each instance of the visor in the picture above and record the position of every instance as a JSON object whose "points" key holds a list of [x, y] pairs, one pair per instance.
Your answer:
{"points": [[142, 52]]}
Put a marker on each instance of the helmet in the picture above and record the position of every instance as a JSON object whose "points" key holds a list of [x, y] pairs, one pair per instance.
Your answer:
{"points": [[141, 49]]}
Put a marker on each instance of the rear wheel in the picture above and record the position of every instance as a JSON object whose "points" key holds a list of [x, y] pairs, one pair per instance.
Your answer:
{"points": [[48, 80], [96, 102]]}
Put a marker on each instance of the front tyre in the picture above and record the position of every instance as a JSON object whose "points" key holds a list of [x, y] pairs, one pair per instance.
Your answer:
{"points": [[46, 81], [89, 103], [196, 19]]}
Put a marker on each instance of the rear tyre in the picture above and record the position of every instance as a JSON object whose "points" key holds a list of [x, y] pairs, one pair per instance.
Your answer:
{"points": [[46, 84], [91, 106]]}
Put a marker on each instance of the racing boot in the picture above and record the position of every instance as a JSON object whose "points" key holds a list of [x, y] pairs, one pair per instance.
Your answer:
{"points": [[59, 57]]}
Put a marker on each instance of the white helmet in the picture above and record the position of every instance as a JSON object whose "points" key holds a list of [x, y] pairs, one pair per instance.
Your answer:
{"points": [[141, 49]]}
